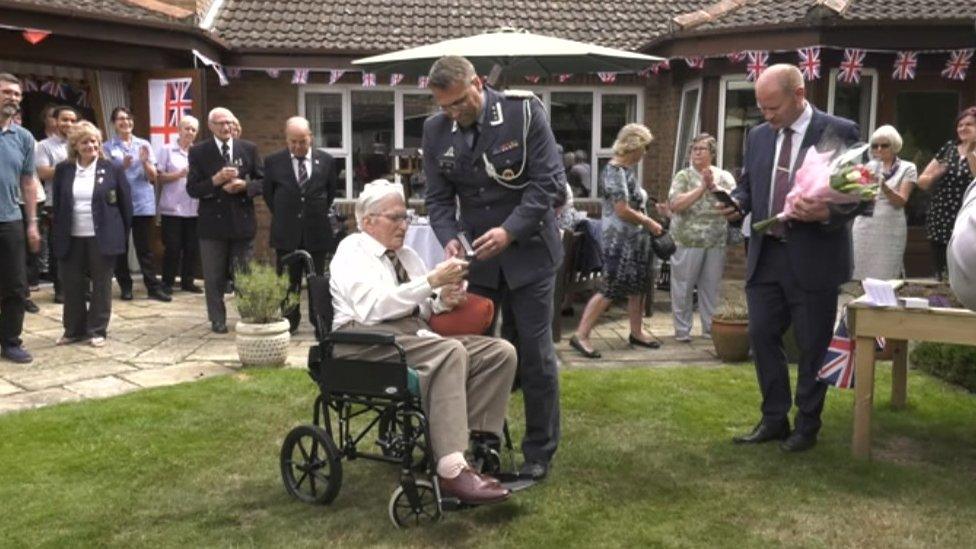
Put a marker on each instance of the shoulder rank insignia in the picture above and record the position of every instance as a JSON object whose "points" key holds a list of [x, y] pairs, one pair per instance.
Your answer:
{"points": [[497, 118]]}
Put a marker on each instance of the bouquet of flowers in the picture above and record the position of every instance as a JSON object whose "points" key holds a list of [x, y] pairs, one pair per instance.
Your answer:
{"points": [[842, 180]]}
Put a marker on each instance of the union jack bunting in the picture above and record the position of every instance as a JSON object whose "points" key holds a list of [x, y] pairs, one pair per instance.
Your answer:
{"points": [[422, 81], [396, 78], [736, 56], [54, 89], [905, 64], [838, 364], [809, 63], [758, 62], [534, 79], [369, 79], [607, 77], [695, 62], [232, 72], [662, 66], [335, 75], [82, 99], [957, 65], [179, 101], [564, 77], [28, 84], [273, 73], [851, 66], [300, 76]]}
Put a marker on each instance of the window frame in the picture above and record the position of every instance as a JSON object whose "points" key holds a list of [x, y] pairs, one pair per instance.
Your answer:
{"points": [[728, 82], [696, 124], [873, 101]]}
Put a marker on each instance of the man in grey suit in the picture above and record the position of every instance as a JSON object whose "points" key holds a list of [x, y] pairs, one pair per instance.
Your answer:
{"points": [[493, 155], [794, 270]]}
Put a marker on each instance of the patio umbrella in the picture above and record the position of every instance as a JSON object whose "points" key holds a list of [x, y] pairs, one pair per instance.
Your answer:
{"points": [[515, 52]]}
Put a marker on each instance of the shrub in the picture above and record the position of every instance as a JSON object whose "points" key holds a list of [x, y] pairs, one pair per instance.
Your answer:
{"points": [[262, 293], [953, 363]]}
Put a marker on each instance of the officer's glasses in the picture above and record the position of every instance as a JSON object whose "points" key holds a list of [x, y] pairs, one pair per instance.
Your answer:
{"points": [[457, 105]]}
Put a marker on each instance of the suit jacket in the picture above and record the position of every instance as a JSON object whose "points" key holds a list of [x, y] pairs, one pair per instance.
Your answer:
{"points": [[820, 253], [456, 176], [300, 215], [111, 207], [222, 215]]}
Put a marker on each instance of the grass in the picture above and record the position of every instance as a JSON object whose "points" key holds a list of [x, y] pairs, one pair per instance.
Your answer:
{"points": [[645, 461]]}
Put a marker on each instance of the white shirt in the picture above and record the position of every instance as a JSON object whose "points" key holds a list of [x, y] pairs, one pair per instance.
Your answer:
{"points": [[308, 166], [364, 283], [961, 254], [82, 223], [799, 127]]}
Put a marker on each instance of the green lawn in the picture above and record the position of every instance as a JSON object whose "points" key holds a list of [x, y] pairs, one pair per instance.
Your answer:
{"points": [[645, 461]]}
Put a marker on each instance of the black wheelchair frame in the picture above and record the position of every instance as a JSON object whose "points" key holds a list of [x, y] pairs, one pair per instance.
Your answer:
{"points": [[311, 455]]}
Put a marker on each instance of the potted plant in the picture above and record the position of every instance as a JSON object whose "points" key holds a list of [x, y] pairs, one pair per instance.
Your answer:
{"points": [[730, 328], [262, 334]]}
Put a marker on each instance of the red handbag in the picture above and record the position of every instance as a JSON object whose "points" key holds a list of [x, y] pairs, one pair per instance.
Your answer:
{"points": [[473, 317]]}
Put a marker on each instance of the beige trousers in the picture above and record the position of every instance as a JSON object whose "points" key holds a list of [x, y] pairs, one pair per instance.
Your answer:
{"points": [[465, 381]]}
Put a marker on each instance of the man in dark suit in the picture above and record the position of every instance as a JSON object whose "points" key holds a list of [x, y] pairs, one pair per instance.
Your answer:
{"points": [[491, 157], [224, 173], [795, 269], [299, 187]]}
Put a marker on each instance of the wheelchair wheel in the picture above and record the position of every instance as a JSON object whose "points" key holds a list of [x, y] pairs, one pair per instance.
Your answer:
{"points": [[311, 468], [404, 515], [394, 441]]}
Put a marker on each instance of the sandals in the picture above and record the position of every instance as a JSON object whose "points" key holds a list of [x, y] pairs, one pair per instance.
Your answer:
{"points": [[653, 344], [574, 342]]}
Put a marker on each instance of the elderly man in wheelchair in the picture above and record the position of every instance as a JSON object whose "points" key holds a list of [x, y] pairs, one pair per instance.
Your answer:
{"points": [[380, 286]]}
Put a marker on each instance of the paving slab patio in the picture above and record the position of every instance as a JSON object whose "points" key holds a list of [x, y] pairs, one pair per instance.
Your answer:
{"points": [[153, 344]]}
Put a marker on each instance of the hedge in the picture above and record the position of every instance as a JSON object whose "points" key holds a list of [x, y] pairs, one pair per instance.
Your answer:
{"points": [[953, 363]]}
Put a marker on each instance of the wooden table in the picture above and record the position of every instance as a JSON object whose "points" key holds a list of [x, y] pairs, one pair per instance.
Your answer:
{"points": [[897, 325]]}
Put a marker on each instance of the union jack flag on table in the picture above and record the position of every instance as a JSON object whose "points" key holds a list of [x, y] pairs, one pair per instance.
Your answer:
{"points": [[758, 62], [851, 66], [169, 101], [838, 365], [809, 63], [958, 64], [905, 64]]}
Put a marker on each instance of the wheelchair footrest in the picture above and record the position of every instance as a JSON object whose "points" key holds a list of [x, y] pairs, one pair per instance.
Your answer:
{"points": [[514, 481]]}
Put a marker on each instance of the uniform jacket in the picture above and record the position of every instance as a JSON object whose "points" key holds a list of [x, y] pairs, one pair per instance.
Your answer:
{"points": [[820, 253], [111, 207], [300, 215], [455, 171], [222, 215]]}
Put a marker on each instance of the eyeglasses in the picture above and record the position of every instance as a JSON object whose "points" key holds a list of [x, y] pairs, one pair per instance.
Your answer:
{"points": [[880, 145], [701, 149], [395, 218]]}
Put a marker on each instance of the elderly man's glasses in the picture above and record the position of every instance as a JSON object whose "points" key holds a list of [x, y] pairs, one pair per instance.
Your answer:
{"points": [[395, 218]]}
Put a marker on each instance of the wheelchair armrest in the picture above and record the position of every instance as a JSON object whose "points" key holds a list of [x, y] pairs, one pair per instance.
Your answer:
{"points": [[360, 338]]}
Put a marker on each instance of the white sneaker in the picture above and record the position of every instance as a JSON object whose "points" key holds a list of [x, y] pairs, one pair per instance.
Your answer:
{"points": [[683, 338], [97, 341]]}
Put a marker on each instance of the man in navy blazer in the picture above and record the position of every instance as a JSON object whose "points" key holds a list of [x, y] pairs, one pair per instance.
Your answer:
{"points": [[299, 187], [794, 271]]}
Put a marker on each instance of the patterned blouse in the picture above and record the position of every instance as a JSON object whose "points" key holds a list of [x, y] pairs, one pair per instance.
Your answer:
{"points": [[947, 196], [701, 225]]}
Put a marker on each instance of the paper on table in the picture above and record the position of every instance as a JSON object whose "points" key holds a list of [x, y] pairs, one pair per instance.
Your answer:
{"points": [[880, 292]]}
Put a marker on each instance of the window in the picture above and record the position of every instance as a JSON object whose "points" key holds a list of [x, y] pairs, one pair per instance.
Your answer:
{"points": [[688, 123], [857, 102], [363, 127], [738, 114]]}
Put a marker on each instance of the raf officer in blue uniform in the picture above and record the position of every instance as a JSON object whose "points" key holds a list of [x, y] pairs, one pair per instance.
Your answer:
{"points": [[492, 170]]}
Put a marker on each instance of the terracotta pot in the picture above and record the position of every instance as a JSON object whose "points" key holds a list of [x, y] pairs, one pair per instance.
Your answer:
{"points": [[731, 339], [262, 344]]}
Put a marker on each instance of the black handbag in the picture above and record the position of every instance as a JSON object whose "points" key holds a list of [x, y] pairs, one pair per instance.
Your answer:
{"points": [[663, 245]]}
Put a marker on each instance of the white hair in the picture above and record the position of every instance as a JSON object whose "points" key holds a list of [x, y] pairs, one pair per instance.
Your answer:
{"points": [[890, 134], [299, 123], [374, 193], [189, 119], [219, 110]]}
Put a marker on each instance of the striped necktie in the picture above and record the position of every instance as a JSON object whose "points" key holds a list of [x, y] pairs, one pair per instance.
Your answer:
{"points": [[401, 273]]}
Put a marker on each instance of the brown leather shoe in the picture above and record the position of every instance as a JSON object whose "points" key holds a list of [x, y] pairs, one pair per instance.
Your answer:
{"points": [[470, 487]]}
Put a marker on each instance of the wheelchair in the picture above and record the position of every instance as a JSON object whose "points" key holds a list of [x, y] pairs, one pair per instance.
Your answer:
{"points": [[385, 396]]}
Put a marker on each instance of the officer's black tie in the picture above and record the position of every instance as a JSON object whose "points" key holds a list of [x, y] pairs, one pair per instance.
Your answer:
{"points": [[401, 273], [302, 172]]}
